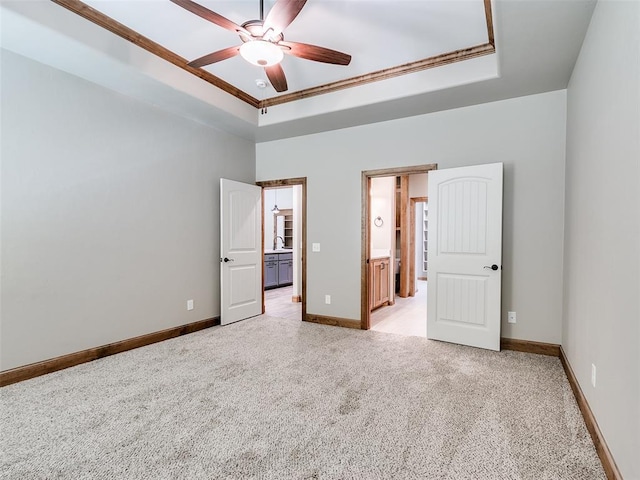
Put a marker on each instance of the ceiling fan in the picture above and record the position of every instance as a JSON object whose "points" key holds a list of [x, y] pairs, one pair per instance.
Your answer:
{"points": [[263, 42]]}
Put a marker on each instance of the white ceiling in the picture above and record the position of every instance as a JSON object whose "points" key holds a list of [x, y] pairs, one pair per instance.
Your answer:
{"points": [[537, 42], [376, 34]]}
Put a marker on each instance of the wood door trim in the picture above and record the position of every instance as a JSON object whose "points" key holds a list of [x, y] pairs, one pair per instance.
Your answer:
{"points": [[289, 182], [37, 369], [398, 171], [412, 247], [404, 238], [262, 241], [365, 227]]}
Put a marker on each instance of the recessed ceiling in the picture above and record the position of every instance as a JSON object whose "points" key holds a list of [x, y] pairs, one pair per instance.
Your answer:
{"points": [[408, 56], [383, 38]]}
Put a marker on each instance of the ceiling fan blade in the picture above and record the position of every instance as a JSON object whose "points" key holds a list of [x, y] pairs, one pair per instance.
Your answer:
{"points": [[315, 53], [282, 14], [275, 74], [207, 14], [214, 57]]}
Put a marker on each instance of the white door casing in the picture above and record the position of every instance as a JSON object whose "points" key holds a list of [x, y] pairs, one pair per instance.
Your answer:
{"points": [[465, 255], [240, 251]]}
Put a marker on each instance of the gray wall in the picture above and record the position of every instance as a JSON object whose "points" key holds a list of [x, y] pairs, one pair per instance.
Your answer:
{"points": [[109, 214], [602, 239], [527, 134]]}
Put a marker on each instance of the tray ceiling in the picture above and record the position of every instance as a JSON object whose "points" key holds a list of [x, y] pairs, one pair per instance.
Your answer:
{"points": [[385, 39], [400, 64]]}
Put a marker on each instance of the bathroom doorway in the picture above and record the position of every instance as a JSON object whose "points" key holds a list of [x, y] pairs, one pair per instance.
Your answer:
{"points": [[394, 278], [408, 314]]}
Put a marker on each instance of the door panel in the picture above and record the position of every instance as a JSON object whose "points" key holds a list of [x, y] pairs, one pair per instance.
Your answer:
{"points": [[462, 299], [465, 241], [240, 251], [242, 280], [464, 227]]}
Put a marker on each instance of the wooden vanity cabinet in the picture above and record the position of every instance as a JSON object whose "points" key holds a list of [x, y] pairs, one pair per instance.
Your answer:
{"points": [[379, 282]]}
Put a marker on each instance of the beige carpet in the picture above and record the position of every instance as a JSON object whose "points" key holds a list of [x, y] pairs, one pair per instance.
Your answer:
{"points": [[275, 399]]}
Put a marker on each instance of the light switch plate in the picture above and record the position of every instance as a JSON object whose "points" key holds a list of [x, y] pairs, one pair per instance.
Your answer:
{"points": [[315, 247]]}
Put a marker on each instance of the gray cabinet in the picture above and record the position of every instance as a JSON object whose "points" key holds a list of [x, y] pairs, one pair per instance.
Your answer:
{"points": [[278, 269], [270, 271], [285, 272]]}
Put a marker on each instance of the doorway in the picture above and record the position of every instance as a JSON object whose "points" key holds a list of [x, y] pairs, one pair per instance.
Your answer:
{"points": [[406, 286], [284, 243], [407, 315]]}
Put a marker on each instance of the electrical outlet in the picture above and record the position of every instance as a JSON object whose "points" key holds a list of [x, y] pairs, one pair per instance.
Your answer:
{"points": [[315, 247], [511, 317], [327, 299], [189, 304], [593, 375]]}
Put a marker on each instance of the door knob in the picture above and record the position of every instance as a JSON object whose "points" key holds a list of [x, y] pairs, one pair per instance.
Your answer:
{"points": [[227, 259], [492, 267]]}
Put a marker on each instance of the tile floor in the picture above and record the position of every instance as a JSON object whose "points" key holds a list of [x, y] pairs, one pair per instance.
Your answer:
{"points": [[278, 303], [407, 317]]}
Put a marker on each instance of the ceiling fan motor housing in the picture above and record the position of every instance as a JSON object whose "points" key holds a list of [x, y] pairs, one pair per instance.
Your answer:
{"points": [[264, 48], [256, 29]]}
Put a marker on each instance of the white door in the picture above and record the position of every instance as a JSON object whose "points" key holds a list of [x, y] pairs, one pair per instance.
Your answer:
{"points": [[465, 255], [240, 251]]}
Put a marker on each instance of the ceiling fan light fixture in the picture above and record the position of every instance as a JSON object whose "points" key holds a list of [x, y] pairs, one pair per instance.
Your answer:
{"points": [[261, 53]]}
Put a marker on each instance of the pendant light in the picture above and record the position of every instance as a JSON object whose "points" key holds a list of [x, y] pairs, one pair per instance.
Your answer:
{"points": [[275, 208]]}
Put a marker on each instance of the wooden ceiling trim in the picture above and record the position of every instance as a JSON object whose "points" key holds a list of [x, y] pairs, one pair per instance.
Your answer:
{"points": [[108, 23], [489, 18], [431, 62]]}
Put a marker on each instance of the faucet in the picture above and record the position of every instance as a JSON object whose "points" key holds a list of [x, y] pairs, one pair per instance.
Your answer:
{"points": [[275, 241]]}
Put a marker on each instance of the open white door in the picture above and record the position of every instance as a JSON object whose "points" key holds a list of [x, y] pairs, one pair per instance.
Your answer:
{"points": [[465, 255], [240, 251]]}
